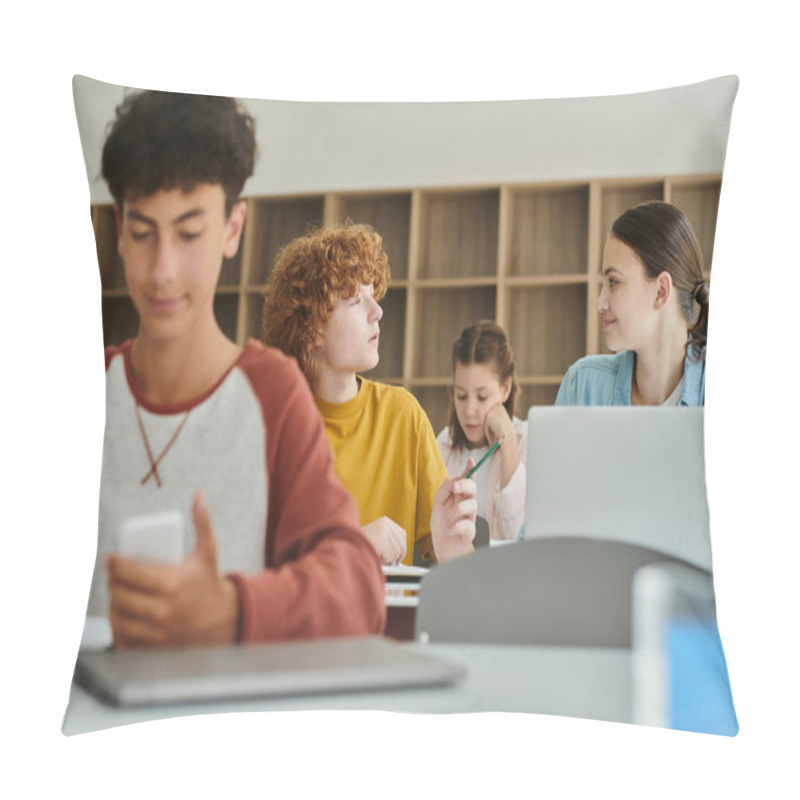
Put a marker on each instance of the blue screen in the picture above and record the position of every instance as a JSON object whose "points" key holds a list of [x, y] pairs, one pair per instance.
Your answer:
{"points": [[700, 692]]}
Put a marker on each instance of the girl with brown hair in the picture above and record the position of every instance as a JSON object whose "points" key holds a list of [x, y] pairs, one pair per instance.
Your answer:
{"points": [[481, 413]]}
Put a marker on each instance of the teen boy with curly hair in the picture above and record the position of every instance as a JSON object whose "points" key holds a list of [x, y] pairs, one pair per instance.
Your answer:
{"points": [[228, 436], [322, 308]]}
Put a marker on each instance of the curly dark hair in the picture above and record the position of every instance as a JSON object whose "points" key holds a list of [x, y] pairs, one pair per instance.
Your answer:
{"points": [[166, 140], [310, 275]]}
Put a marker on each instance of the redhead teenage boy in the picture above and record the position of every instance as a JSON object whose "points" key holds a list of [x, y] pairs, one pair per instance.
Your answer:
{"points": [[228, 436], [322, 308]]}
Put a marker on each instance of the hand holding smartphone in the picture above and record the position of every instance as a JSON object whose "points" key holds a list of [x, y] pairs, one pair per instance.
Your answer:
{"points": [[154, 537]]}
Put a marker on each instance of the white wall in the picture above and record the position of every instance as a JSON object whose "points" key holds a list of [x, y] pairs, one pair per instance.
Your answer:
{"points": [[314, 147]]}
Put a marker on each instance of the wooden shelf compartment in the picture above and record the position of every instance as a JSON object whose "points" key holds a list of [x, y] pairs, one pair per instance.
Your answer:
{"points": [[440, 316], [535, 395], [547, 328], [618, 196], [459, 234], [272, 223], [388, 214], [549, 230], [699, 200]]}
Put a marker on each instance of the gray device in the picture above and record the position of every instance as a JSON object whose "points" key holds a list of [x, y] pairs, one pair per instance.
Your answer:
{"points": [[148, 677], [629, 474], [157, 537]]}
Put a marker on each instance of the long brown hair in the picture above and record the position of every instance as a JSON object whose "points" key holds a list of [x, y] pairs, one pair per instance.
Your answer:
{"points": [[485, 342], [662, 237]]}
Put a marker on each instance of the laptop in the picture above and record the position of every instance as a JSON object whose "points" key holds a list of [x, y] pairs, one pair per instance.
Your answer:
{"points": [[150, 677], [628, 474]]}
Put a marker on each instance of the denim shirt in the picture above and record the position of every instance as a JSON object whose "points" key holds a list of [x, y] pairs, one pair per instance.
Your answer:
{"points": [[606, 381]]}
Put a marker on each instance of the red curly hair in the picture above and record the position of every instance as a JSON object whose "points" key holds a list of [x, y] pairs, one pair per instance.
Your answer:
{"points": [[311, 274]]}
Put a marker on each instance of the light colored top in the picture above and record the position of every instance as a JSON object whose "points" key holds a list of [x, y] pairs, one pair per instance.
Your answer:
{"points": [[606, 381], [287, 531], [503, 509], [386, 456]]}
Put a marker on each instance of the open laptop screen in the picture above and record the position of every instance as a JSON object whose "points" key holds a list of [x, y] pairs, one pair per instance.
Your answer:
{"points": [[633, 474]]}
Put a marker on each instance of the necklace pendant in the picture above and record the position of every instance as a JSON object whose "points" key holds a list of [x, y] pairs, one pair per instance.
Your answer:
{"points": [[154, 462]]}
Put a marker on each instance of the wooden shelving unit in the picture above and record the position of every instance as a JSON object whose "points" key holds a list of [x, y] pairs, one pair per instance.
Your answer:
{"points": [[527, 255]]}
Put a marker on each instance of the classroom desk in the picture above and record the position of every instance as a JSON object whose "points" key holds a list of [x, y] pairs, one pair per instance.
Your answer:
{"points": [[591, 683]]}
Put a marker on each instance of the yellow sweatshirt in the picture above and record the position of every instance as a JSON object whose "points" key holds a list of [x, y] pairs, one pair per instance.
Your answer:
{"points": [[387, 457]]}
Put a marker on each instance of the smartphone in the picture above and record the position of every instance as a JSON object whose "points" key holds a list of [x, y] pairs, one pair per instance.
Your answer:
{"points": [[153, 537]]}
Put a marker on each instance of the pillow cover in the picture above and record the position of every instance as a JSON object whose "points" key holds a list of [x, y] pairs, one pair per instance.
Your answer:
{"points": [[487, 211]]}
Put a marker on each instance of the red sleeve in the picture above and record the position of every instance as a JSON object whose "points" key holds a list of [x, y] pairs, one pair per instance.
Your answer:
{"points": [[323, 578]]}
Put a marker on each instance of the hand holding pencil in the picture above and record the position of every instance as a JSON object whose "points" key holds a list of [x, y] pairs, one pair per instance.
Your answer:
{"points": [[453, 517]]}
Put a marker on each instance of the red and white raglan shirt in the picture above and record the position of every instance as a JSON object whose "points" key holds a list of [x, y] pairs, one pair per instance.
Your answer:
{"points": [[287, 531]]}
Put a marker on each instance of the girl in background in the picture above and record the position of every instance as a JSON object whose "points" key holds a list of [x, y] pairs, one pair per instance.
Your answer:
{"points": [[482, 412]]}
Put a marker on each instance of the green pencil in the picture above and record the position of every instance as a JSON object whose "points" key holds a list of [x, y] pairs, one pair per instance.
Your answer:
{"points": [[485, 456]]}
